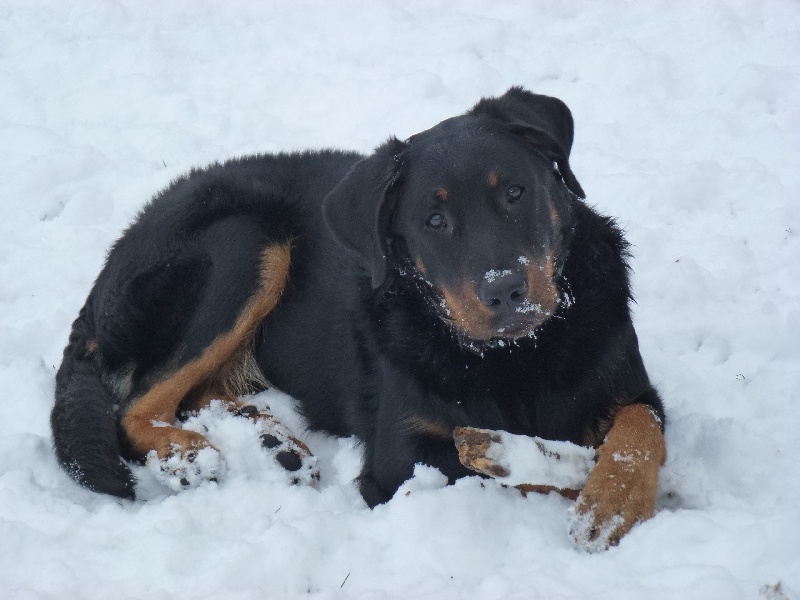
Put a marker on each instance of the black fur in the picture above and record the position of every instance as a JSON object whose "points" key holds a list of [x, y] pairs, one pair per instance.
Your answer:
{"points": [[362, 337]]}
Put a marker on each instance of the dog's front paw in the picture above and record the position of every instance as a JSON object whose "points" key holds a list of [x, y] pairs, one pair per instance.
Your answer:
{"points": [[181, 469], [621, 490], [594, 528], [619, 494]]}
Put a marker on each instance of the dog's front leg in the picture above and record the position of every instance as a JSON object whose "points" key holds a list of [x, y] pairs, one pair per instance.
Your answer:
{"points": [[621, 490]]}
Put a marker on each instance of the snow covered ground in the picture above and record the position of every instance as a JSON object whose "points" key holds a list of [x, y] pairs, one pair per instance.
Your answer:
{"points": [[687, 118]]}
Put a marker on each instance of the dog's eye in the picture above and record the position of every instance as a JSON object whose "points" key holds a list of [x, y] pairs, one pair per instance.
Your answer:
{"points": [[514, 193], [436, 221]]}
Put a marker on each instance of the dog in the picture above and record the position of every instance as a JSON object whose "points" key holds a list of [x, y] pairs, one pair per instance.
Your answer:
{"points": [[456, 278]]}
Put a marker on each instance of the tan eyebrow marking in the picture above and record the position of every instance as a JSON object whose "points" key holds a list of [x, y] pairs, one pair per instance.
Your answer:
{"points": [[492, 179], [441, 193]]}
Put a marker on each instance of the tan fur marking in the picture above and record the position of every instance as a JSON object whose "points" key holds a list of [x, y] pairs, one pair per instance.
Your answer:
{"points": [[420, 266], [492, 179], [623, 484], [528, 488], [553, 215], [425, 426], [441, 193], [161, 402], [473, 446], [467, 312], [91, 347], [541, 284]]}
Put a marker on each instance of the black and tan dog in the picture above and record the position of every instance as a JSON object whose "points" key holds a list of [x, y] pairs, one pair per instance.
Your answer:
{"points": [[452, 279]]}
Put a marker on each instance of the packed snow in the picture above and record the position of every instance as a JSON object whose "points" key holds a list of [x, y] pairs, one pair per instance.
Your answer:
{"points": [[687, 117]]}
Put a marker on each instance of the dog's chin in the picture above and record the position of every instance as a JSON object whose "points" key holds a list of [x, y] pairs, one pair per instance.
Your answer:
{"points": [[503, 338]]}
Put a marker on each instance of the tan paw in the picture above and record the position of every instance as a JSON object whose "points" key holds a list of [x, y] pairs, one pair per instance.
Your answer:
{"points": [[621, 490], [612, 502]]}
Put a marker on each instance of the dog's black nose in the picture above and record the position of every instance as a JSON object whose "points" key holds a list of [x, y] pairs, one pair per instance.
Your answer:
{"points": [[503, 291]]}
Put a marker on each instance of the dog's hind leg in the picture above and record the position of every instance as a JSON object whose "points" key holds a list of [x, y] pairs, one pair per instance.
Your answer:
{"points": [[216, 336]]}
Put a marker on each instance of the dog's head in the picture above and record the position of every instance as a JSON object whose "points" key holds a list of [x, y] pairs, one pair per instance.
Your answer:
{"points": [[477, 209]]}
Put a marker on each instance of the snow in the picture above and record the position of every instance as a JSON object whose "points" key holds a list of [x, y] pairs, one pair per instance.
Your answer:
{"points": [[526, 307], [177, 471], [536, 461], [493, 274], [686, 131]]}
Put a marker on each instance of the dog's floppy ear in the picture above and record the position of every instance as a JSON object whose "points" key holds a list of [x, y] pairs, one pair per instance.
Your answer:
{"points": [[541, 120], [357, 210]]}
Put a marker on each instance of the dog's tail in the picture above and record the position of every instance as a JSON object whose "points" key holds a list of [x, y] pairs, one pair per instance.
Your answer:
{"points": [[83, 420]]}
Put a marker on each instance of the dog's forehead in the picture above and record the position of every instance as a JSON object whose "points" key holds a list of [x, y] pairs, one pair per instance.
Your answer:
{"points": [[471, 164], [453, 131], [463, 147]]}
